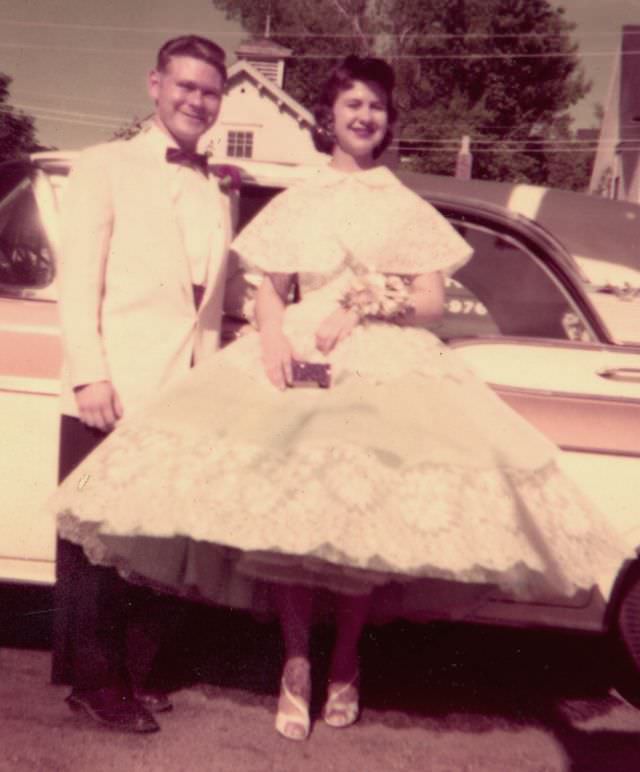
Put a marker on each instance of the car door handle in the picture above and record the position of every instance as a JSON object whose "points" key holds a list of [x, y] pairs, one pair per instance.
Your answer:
{"points": [[620, 373]]}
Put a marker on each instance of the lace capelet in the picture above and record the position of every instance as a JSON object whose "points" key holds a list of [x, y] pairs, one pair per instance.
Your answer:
{"points": [[366, 218]]}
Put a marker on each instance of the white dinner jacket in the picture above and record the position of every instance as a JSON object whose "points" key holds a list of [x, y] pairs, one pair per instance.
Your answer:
{"points": [[126, 301]]}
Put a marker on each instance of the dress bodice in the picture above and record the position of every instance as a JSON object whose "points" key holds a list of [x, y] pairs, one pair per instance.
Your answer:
{"points": [[336, 226]]}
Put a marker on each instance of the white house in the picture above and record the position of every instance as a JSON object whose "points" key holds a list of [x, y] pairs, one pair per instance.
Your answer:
{"points": [[616, 170], [258, 119]]}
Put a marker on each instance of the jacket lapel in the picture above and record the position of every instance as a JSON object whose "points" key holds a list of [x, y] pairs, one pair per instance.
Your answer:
{"points": [[220, 239], [162, 188]]}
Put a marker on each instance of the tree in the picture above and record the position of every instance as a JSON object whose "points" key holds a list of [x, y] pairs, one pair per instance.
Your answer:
{"points": [[502, 71], [131, 129], [17, 130]]}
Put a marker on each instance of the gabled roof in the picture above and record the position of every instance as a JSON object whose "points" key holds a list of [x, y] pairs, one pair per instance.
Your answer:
{"points": [[263, 47], [279, 95]]}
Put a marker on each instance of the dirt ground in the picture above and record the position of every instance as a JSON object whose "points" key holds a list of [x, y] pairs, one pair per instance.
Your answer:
{"points": [[443, 701]]}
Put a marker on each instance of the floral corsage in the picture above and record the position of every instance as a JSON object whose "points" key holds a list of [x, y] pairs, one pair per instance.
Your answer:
{"points": [[229, 177], [378, 296]]}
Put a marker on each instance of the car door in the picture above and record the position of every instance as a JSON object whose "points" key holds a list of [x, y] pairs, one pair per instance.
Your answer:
{"points": [[29, 371], [517, 319]]}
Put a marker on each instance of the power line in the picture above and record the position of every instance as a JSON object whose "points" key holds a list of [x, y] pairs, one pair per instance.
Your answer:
{"points": [[334, 56], [479, 138], [87, 27], [454, 145], [545, 151], [44, 115], [75, 122], [81, 50], [68, 98], [498, 150], [503, 55], [71, 113], [308, 34]]}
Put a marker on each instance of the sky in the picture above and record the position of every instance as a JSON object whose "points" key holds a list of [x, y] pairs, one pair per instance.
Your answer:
{"points": [[79, 66]]}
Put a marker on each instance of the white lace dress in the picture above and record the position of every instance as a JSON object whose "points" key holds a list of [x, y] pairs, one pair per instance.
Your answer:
{"points": [[407, 467]]}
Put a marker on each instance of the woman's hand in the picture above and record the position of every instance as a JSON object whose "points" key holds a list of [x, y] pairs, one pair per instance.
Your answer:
{"points": [[277, 354], [277, 351], [335, 328]]}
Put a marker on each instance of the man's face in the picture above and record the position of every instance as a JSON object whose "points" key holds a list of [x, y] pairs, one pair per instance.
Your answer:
{"points": [[187, 95]]}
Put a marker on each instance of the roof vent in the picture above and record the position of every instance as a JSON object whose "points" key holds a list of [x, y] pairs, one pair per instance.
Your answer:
{"points": [[266, 56]]}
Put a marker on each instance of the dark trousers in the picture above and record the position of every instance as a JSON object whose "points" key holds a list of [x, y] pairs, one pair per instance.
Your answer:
{"points": [[106, 632]]}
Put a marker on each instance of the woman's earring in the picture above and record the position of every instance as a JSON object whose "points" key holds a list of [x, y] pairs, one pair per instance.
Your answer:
{"points": [[328, 132]]}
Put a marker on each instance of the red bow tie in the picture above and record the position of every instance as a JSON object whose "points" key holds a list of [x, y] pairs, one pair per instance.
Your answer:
{"points": [[199, 161]]}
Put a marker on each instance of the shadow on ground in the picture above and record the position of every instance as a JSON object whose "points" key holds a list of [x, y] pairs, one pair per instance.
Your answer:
{"points": [[442, 677]]}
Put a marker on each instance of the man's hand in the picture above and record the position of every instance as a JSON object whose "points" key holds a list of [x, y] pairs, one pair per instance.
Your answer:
{"points": [[99, 405], [335, 328]]}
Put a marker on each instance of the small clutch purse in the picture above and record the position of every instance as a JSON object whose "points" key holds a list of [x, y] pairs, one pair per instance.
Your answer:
{"points": [[310, 375]]}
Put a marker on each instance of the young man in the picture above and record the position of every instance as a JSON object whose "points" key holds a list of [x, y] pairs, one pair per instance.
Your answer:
{"points": [[145, 233]]}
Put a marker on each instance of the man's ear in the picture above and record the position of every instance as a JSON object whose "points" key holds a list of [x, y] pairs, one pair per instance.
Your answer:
{"points": [[153, 84]]}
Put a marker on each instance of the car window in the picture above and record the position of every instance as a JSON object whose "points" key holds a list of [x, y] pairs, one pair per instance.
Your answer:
{"points": [[505, 290], [25, 257], [252, 199]]}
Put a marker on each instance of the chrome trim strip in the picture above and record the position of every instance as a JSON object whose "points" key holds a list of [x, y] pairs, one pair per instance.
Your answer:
{"points": [[44, 561], [30, 329], [48, 293], [549, 393], [620, 373], [599, 451], [15, 385], [524, 340], [36, 571]]}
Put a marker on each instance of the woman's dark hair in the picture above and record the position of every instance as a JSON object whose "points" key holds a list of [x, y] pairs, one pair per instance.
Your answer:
{"points": [[353, 68], [197, 48]]}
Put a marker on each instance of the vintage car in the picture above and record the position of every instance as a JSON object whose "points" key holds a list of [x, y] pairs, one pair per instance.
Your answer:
{"points": [[547, 312]]}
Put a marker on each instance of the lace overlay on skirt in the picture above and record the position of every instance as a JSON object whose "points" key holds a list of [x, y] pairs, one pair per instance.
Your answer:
{"points": [[375, 480]]}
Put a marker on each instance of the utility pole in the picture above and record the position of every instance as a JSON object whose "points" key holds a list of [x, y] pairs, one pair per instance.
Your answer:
{"points": [[464, 161]]}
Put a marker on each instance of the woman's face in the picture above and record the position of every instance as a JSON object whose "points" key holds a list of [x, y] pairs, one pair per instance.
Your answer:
{"points": [[360, 119]]}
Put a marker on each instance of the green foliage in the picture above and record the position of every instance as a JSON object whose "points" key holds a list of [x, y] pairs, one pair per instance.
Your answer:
{"points": [[502, 71], [17, 130], [131, 129]]}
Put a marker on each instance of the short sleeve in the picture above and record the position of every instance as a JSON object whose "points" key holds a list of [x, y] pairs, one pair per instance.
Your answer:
{"points": [[293, 233], [403, 233]]}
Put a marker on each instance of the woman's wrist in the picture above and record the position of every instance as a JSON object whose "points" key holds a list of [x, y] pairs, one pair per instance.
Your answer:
{"points": [[270, 328], [352, 314]]}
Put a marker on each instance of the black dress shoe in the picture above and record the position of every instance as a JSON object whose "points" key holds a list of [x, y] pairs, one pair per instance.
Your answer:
{"points": [[156, 702], [114, 709]]}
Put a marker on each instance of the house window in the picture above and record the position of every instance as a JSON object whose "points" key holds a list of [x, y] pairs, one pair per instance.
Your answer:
{"points": [[240, 144]]}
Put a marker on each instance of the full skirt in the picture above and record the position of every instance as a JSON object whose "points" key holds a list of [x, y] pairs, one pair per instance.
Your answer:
{"points": [[408, 468]]}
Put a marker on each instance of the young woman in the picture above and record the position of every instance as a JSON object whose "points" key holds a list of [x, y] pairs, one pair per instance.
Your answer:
{"points": [[406, 466]]}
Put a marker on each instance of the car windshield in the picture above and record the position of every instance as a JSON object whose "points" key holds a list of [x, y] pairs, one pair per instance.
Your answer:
{"points": [[25, 256]]}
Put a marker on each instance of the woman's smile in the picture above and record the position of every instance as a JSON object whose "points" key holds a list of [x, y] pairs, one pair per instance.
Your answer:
{"points": [[361, 120]]}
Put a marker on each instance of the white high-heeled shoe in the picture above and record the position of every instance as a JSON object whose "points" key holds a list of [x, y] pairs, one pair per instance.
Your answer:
{"points": [[342, 707], [292, 722]]}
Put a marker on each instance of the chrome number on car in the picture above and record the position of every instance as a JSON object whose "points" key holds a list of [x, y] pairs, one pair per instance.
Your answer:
{"points": [[464, 303]]}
